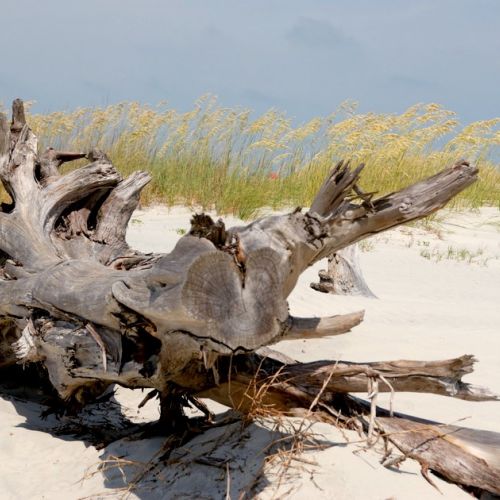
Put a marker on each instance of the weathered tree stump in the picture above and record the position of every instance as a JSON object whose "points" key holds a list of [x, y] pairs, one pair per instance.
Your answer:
{"points": [[77, 299], [343, 275]]}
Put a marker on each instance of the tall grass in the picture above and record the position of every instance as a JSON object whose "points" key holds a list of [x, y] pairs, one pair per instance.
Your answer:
{"points": [[225, 159]]}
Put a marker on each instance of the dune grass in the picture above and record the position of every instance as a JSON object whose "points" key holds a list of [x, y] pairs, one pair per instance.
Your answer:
{"points": [[225, 159]]}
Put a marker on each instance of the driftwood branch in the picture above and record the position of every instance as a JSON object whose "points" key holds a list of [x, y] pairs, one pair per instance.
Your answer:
{"points": [[292, 384], [275, 384], [51, 160], [311, 328], [464, 456], [116, 211]]}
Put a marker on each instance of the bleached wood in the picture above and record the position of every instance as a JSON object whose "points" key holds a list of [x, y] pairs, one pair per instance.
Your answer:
{"points": [[76, 298], [468, 457], [311, 328], [292, 384], [228, 295], [51, 160], [344, 275], [116, 211]]}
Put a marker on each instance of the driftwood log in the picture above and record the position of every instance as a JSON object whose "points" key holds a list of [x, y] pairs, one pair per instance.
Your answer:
{"points": [[76, 299]]}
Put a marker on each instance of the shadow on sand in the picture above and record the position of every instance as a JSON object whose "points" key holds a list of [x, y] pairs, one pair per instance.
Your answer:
{"points": [[229, 459]]}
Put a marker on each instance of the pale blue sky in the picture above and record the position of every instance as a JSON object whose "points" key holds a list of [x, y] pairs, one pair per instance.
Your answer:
{"points": [[303, 57]]}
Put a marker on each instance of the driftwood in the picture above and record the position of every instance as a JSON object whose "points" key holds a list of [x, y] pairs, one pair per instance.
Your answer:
{"points": [[75, 298], [343, 275], [465, 456], [294, 385]]}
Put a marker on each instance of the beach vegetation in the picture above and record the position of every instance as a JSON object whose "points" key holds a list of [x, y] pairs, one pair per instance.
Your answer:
{"points": [[232, 162]]}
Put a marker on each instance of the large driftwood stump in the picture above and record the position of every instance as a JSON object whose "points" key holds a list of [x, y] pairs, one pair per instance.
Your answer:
{"points": [[75, 298]]}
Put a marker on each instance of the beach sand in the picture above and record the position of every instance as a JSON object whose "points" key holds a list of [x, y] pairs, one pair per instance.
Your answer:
{"points": [[438, 292]]}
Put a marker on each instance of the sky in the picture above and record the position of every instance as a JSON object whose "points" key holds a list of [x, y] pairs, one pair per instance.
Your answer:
{"points": [[302, 57]]}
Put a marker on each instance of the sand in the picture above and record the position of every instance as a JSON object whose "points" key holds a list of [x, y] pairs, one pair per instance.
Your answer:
{"points": [[438, 297]]}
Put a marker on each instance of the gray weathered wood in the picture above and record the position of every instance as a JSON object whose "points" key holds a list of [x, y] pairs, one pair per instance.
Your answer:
{"points": [[311, 328], [468, 457], [51, 160], [227, 295], [343, 275], [76, 298], [292, 380]]}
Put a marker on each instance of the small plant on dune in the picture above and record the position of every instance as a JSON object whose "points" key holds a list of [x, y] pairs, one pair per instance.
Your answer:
{"points": [[225, 160], [457, 254]]}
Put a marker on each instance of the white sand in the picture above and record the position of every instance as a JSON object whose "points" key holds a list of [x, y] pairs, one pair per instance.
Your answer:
{"points": [[426, 310]]}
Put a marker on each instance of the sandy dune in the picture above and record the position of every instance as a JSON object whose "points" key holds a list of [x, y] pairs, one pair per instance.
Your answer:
{"points": [[438, 297]]}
